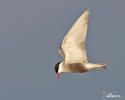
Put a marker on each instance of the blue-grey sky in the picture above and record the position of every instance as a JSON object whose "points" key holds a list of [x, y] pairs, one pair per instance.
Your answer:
{"points": [[30, 34]]}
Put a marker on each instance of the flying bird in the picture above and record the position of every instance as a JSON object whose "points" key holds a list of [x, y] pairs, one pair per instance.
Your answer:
{"points": [[73, 50]]}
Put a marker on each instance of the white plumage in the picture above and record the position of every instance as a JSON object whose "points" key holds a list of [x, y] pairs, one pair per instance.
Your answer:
{"points": [[73, 48]]}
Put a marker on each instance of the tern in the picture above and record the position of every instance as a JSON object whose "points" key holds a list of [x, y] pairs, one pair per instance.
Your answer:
{"points": [[73, 50]]}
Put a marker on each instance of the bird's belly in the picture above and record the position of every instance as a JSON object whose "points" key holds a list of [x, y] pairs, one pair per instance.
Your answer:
{"points": [[76, 68]]}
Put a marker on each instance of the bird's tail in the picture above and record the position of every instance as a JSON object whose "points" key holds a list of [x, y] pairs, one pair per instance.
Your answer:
{"points": [[100, 66]]}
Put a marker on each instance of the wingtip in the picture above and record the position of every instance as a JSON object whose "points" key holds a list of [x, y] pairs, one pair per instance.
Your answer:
{"points": [[88, 11]]}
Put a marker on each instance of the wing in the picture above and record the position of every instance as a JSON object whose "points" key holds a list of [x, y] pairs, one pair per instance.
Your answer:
{"points": [[72, 47]]}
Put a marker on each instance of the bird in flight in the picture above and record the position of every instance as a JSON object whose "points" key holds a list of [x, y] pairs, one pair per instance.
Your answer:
{"points": [[73, 49]]}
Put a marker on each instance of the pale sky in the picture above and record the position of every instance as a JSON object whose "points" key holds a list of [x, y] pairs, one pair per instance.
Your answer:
{"points": [[30, 34]]}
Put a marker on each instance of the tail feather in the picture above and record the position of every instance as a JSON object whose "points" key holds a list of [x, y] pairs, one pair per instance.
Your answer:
{"points": [[101, 66]]}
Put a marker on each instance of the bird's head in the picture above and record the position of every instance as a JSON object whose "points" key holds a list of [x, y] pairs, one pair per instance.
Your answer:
{"points": [[57, 70]]}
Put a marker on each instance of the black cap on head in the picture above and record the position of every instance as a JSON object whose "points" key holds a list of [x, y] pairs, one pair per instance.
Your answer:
{"points": [[57, 67]]}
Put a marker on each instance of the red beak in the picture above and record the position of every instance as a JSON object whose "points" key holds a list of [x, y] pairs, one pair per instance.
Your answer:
{"points": [[57, 76]]}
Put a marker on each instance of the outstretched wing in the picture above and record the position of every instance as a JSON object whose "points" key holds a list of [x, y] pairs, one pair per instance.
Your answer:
{"points": [[72, 47]]}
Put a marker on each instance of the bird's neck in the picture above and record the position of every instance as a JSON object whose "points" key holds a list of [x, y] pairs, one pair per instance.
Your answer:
{"points": [[60, 67], [63, 67]]}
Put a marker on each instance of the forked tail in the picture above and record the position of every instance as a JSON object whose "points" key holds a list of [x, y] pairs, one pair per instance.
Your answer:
{"points": [[100, 66]]}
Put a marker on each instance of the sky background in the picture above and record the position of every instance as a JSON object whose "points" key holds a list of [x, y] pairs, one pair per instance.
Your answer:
{"points": [[30, 34]]}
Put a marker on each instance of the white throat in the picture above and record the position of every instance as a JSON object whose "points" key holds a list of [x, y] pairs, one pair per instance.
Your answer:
{"points": [[60, 68]]}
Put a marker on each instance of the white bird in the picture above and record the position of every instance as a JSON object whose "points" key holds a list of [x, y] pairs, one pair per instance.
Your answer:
{"points": [[73, 49]]}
